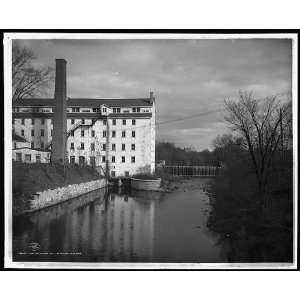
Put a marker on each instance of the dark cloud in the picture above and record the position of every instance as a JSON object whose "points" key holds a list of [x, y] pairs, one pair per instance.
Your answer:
{"points": [[187, 76]]}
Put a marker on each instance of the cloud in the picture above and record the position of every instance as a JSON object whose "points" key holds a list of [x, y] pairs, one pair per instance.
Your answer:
{"points": [[188, 77]]}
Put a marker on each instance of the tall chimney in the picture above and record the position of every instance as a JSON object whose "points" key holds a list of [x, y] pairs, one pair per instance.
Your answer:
{"points": [[152, 99], [60, 113]]}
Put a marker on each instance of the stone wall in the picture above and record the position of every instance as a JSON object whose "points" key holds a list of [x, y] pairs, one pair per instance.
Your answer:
{"points": [[58, 195]]}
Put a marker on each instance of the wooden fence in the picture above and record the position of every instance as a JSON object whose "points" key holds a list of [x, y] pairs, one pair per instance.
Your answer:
{"points": [[197, 171]]}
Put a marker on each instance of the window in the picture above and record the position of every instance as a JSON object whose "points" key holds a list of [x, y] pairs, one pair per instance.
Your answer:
{"points": [[23, 122], [51, 132], [82, 121], [114, 121], [113, 173], [22, 132], [123, 147], [72, 146], [43, 121], [133, 109], [72, 121], [118, 109], [73, 109], [72, 159], [104, 109], [124, 122], [38, 158], [77, 109], [32, 132], [32, 121], [82, 132], [114, 110], [103, 159], [93, 133], [92, 161], [113, 159], [27, 157], [133, 134], [82, 146], [72, 133], [113, 147], [133, 159], [123, 133], [126, 175], [32, 145], [113, 133], [42, 145], [18, 156], [15, 145], [123, 159], [138, 109], [93, 146], [104, 122], [104, 147], [81, 160], [42, 132], [133, 147], [94, 109], [104, 133], [99, 109], [133, 122]]}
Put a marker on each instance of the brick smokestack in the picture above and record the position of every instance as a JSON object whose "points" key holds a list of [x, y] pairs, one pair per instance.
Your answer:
{"points": [[60, 112]]}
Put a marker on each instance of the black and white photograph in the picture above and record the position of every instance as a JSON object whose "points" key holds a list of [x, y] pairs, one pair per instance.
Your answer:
{"points": [[151, 151]]}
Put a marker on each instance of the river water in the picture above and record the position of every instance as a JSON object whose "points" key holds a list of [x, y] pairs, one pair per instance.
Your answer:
{"points": [[121, 225]]}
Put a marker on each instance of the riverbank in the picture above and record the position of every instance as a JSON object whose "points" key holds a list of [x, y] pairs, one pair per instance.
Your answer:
{"points": [[249, 231], [171, 183], [29, 179]]}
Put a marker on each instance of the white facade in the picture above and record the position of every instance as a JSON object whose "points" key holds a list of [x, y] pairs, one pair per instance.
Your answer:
{"points": [[122, 137]]}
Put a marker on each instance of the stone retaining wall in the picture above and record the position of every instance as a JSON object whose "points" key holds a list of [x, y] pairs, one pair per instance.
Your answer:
{"points": [[58, 195]]}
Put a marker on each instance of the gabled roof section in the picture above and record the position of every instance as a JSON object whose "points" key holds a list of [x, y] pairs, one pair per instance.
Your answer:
{"points": [[85, 102], [18, 138]]}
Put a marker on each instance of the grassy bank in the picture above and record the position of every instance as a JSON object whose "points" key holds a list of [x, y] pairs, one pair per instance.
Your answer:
{"points": [[249, 231], [31, 178]]}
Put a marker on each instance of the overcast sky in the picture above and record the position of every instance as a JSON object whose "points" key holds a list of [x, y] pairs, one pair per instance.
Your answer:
{"points": [[188, 77]]}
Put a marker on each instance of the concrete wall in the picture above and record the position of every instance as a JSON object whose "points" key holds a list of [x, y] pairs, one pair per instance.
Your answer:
{"points": [[61, 194]]}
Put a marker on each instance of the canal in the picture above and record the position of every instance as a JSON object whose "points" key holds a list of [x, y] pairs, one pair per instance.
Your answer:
{"points": [[121, 225]]}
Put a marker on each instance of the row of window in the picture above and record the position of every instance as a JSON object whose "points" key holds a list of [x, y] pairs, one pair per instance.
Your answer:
{"points": [[93, 160], [28, 157], [114, 121], [32, 121], [113, 133], [92, 147], [33, 132], [104, 134]]}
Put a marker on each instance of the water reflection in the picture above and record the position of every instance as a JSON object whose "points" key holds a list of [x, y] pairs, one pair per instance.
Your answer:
{"points": [[118, 225]]}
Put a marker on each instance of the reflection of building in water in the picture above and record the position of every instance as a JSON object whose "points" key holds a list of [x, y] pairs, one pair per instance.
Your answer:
{"points": [[110, 228], [130, 224]]}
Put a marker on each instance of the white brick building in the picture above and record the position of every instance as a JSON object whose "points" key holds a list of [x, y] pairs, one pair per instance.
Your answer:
{"points": [[118, 133]]}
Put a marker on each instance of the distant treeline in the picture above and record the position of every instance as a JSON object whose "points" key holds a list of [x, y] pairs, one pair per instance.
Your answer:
{"points": [[174, 155]]}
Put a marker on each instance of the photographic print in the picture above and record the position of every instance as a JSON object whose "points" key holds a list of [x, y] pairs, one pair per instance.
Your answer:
{"points": [[150, 150]]}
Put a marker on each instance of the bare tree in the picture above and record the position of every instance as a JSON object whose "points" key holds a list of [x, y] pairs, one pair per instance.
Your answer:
{"points": [[265, 127], [28, 80]]}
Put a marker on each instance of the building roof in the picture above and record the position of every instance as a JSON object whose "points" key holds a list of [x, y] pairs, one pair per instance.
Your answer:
{"points": [[18, 138], [85, 102]]}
